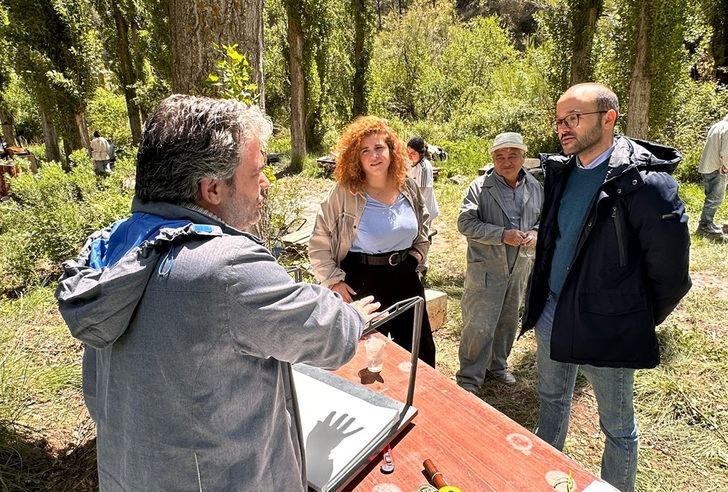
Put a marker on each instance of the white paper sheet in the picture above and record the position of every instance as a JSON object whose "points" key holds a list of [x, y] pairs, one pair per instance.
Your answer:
{"points": [[337, 427]]}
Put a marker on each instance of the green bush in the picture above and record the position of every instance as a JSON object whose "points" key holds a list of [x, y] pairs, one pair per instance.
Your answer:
{"points": [[107, 113], [460, 83], [701, 104], [38, 150], [50, 214], [24, 109]]}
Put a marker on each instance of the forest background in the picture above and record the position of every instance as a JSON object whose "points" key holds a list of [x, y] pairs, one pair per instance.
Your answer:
{"points": [[456, 73]]}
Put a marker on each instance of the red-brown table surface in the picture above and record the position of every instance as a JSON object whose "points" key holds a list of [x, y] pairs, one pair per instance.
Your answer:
{"points": [[467, 439]]}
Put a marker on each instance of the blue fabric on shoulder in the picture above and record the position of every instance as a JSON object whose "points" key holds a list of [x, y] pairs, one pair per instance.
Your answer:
{"points": [[129, 233]]}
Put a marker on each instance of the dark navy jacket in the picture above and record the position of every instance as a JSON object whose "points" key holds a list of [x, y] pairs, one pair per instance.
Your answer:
{"points": [[630, 267]]}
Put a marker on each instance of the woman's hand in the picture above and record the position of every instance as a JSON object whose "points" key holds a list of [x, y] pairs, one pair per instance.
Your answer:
{"points": [[343, 289], [416, 254]]}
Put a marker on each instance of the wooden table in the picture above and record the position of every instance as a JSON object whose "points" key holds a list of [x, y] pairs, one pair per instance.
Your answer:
{"points": [[475, 446]]}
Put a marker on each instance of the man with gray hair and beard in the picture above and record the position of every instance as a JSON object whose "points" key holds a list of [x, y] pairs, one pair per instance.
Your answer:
{"points": [[191, 326]]}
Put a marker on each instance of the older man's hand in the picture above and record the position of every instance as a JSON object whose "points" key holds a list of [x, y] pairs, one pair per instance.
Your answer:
{"points": [[513, 237], [530, 239]]}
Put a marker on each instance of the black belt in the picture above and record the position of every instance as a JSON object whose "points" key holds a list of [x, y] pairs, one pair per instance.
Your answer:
{"points": [[392, 259]]}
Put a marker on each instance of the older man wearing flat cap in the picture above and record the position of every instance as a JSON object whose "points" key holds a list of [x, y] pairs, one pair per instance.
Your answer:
{"points": [[499, 217]]}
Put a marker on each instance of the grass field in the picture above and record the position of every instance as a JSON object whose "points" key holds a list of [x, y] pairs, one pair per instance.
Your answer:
{"points": [[47, 439]]}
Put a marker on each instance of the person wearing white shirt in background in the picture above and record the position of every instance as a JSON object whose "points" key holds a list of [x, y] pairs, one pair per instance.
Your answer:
{"points": [[714, 169], [100, 154], [421, 172]]}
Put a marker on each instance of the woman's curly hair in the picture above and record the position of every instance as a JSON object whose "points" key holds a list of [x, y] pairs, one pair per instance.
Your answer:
{"points": [[348, 171]]}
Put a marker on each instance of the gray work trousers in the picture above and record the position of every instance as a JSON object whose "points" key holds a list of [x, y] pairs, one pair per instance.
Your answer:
{"points": [[490, 307]]}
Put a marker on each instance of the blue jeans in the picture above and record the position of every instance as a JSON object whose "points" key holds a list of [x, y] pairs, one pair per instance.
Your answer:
{"points": [[714, 185], [613, 388]]}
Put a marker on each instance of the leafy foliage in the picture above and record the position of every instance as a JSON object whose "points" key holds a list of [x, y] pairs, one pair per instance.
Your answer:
{"points": [[22, 106], [107, 114], [50, 214], [231, 78], [467, 78], [62, 73]]}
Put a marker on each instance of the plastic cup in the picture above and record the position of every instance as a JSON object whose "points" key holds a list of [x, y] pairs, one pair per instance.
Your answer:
{"points": [[375, 353]]}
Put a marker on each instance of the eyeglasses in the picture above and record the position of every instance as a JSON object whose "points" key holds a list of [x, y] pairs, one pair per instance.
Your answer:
{"points": [[571, 121]]}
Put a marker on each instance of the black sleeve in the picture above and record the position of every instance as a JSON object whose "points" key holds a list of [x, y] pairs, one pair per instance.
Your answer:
{"points": [[658, 215]]}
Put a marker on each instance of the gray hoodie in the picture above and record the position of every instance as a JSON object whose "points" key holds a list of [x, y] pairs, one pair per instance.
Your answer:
{"points": [[191, 327]]}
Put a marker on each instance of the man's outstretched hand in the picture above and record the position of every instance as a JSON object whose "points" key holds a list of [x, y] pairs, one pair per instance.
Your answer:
{"points": [[367, 307]]}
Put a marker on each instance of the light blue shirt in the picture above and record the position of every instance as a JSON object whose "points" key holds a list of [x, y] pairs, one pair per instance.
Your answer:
{"points": [[604, 156], [385, 228]]}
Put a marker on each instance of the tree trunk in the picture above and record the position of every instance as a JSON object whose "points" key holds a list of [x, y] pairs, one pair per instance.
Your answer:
{"points": [[638, 118], [66, 164], [74, 131], [363, 20], [195, 26], [584, 15], [6, 120], [82, 130], [50, 136], [127, 72], [298, 94]]}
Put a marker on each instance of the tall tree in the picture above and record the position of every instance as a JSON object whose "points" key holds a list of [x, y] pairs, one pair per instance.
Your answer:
{"points": [[62, 73], [50, 135], [363, 14], [6, 116], [651, 55], [718, 15], [298, 93], [584, 17], [6, 121], [119, 21], [639, 87], [195, 27]]}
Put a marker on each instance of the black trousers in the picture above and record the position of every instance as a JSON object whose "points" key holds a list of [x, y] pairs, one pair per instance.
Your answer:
{"points": [[390, 284]]}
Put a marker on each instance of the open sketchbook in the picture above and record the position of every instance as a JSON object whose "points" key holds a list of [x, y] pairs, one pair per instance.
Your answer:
{"points": [[343, 425]]}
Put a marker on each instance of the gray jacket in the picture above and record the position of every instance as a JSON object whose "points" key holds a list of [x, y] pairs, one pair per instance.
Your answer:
{"points": [[483, 219], [194, 328]]}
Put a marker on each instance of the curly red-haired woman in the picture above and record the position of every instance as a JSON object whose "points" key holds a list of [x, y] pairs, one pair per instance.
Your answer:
{"points": [[371, 232]]}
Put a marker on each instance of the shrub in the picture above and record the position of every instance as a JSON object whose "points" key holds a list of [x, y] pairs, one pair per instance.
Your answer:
{"points": [[107, 114], [454, 81], [50, 214], [701, 104]]}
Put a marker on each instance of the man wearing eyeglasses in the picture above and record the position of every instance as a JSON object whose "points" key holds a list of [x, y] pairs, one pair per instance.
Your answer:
{"points": [[611, 264]]}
